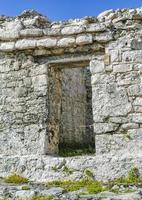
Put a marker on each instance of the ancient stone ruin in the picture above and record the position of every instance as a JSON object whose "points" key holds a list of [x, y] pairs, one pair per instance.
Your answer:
{"points": [[71, 85]]}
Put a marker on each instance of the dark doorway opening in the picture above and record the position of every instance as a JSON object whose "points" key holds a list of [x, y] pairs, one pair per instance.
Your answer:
{"points": [[70, 124]]}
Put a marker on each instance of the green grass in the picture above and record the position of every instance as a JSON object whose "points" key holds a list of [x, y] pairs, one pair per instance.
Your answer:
{"points": [[16, 179], [42, 198], [92, 186]]}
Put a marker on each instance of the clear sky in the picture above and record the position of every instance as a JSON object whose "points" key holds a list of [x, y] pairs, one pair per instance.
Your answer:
{"points": [[65, 9]]}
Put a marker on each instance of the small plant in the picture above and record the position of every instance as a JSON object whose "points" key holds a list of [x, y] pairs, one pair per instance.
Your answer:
{"points": [[17, 179], [42, 198], [25, 187], [134, 173], [88, 173], [68, 170], [55, 169]]}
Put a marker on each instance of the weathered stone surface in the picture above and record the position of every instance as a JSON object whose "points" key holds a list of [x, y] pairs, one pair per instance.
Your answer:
{"points": [[25, 44], [47, 43], [97, 66], [24, 194], [31, 32], [122, 68], [7, 46], [84, 39], [72, 30], [65, 42]]}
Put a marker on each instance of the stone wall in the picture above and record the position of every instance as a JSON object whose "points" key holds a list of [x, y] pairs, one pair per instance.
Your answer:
{"points": [[33, 51], [23, 99]]}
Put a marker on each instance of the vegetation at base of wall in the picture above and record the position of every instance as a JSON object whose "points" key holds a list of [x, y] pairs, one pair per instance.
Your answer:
{"points": [[91, 186], [68, 152], [16, 179], [133, 177], [42, 198]]}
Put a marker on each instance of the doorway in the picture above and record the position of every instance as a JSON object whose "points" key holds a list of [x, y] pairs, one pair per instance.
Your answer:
{"points": [[70, 123]]}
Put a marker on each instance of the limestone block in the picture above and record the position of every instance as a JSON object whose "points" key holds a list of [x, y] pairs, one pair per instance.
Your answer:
{"points": [[100, 128], [136, 117], [122, 68], [47, 42], [132, 56], [26, 44], [138, 101], [24, 194], [115, 56], [84, 39], [104, 37], [96, 28], [115, 103], [13, 25], [39, 70], [100, 78], [65, 42], [128, 126], [54, 191], [31, 22], [129, 78], [97, 66], [52, 31], [137, 109], [134, 90], [8, 35], [31, 33], [120, 120], [21, 92], [70, 30], [39, 81], [7, 46], [128, 142]]}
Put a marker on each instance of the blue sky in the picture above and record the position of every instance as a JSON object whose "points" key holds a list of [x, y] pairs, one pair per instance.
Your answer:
{"points": [[65, 9]]}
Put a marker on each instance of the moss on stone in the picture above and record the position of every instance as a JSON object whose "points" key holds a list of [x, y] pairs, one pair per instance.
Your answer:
{"points": [[25, 187], [42, 198], [16, 179]]}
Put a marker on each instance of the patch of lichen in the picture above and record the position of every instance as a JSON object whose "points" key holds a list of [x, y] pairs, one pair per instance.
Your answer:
{"points": [[91, 186], [16, 179]]}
